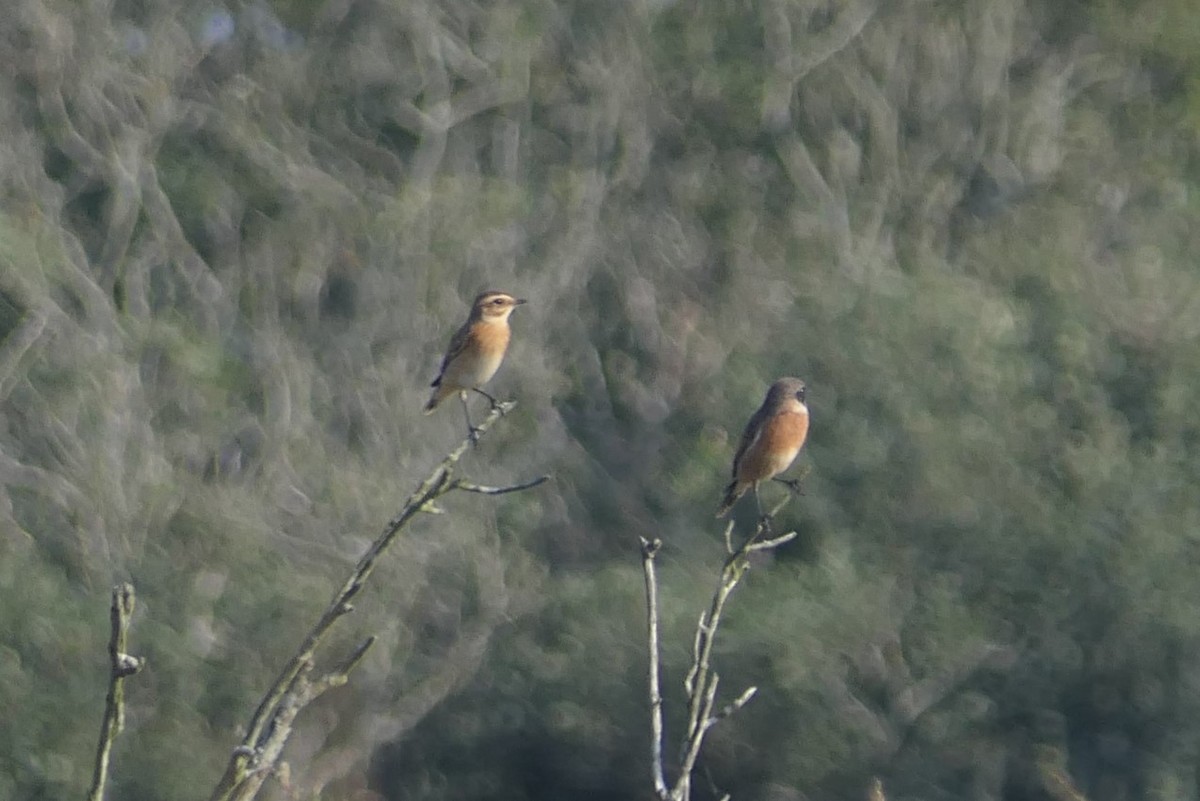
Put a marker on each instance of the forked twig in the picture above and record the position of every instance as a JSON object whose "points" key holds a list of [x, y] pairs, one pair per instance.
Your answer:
{"points": [[701, 681]]}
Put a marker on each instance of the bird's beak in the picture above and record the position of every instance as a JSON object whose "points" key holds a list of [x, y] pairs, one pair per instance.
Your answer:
{"points": [[519, 301]]}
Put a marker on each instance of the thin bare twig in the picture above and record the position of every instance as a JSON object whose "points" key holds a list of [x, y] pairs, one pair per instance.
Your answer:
{"points": [[467, 486], [341, 674], [695, 738], [766, 545], [258, 755], [303, 690], [121, 667], [736, 704]]}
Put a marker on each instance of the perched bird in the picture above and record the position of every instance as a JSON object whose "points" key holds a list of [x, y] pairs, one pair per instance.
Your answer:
{"points": [[475, 351], [770, 442]]}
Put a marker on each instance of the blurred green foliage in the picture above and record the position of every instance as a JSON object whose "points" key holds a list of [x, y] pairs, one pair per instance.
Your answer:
{"points": [[234, 241]]}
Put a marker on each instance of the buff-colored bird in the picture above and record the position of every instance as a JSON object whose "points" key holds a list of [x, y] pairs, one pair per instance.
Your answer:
{"points": [[475, 352]]}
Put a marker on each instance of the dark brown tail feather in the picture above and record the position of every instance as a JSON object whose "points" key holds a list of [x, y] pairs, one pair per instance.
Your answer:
{"points": [[434, 400], [731, 497]]}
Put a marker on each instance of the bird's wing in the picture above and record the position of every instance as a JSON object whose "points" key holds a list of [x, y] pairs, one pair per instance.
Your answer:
{"points": [[753, 432], [457, 343]]}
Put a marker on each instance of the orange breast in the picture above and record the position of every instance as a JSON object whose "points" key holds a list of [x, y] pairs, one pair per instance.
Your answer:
{"points": [[775, 448], [492, 337], [480, 358]]}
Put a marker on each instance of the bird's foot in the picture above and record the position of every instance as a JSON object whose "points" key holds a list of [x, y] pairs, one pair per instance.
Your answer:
{"points": [[792, 484], [495, 403]]}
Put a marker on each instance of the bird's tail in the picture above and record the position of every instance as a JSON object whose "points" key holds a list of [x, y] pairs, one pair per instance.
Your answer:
{"points": [[734, 491], [437, 397]]}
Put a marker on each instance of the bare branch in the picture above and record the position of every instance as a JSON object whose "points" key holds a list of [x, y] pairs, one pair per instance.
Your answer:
{"points": [[695, 737], [689, 681], [467, 486], [649, 551], [701, 682], [122, 666], [705, 637], [735, 705], [341, 674], [775, 542], [258, 755]]}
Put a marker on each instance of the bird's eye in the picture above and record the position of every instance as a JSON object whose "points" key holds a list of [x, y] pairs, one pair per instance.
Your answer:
{"points": [[498, 302]]}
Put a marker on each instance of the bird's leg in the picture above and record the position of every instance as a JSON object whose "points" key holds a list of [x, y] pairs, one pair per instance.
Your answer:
{"points": [[495, 403], [791, 483], [764, 518], [472, 431]]}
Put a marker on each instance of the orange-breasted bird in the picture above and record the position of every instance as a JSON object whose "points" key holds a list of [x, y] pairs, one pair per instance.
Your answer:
{"points": [[475, 351], [770, 442]]}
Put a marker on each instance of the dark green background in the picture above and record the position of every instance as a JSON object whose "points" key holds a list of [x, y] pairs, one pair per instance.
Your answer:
{"points": [[229, 266]]}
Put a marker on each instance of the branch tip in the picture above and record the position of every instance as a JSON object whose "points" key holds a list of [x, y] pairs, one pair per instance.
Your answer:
{"points": [[736, 704], [357, 655], [467, 486], [774, 542]]}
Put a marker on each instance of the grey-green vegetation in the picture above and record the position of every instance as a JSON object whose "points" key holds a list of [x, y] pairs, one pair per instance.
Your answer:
{"points": [[234, 240]]}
